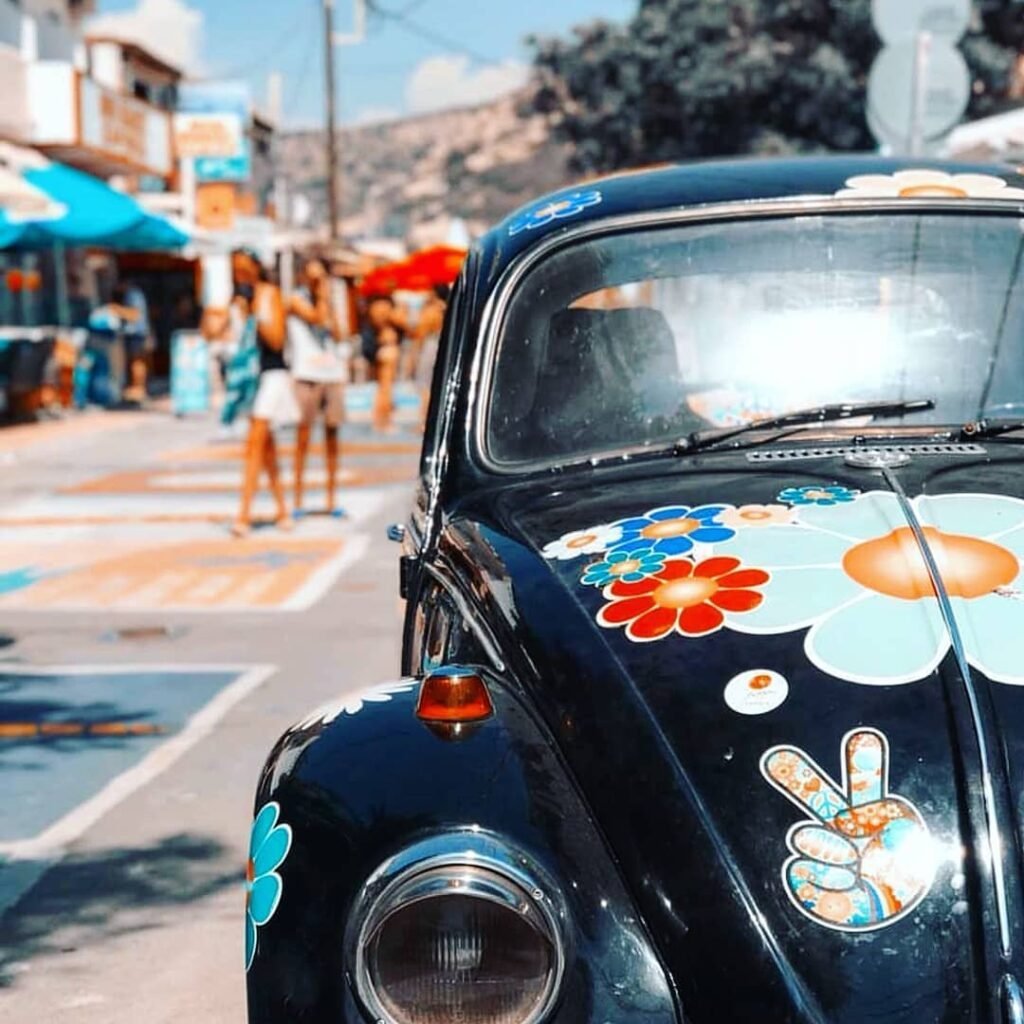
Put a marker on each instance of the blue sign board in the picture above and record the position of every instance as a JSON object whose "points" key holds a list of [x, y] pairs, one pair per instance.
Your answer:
{"points": [[225, 98], [190, 373], [230, 168]]}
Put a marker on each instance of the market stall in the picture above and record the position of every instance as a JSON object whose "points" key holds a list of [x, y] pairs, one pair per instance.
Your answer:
{"points": [[49, 213]]}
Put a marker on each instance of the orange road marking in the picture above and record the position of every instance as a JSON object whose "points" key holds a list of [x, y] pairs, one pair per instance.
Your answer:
{"points": [[112, 520], [235, 452], [163, 482], [49, 730]]}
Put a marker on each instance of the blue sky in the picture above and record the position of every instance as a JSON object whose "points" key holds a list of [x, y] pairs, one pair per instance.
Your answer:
{"points": [[396, 70]]}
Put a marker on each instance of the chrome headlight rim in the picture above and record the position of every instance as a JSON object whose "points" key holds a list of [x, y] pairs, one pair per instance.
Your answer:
{"points": [[464, 862]]}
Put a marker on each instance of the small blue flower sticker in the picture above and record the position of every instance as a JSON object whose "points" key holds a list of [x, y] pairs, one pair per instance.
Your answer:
{"points": [[269, 844], [557, 209], [628, 566], [673, 530], [835, 495]]}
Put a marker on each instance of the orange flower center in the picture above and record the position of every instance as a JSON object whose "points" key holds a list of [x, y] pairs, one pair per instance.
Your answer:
{"points": [[760, 682], [932, 190], [893, 564], [818, 495], [621, 568], [670, 528], [756, 515], [581, 542], [684, 593]]}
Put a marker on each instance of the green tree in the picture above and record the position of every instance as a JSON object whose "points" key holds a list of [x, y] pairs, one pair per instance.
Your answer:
{"points": [[694, 78]]}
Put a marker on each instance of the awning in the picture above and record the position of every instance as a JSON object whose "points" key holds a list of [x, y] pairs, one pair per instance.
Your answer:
{"points": [[85, 211]]}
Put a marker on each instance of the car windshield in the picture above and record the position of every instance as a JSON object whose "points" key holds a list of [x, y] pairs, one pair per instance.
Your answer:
{"points": [[638, 338]]}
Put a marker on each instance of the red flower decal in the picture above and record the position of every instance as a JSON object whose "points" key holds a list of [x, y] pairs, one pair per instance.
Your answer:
{"points": [[687, 597]]}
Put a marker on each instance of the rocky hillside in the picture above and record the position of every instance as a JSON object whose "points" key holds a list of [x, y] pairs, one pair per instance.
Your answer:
{"points": [[409, 178]]}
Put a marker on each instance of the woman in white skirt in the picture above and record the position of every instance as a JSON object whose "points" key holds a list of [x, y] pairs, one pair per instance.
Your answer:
{"points": [[274, 406]]}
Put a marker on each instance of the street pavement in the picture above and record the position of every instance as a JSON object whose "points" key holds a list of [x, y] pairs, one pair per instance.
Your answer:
{"points": [[148, 661]]}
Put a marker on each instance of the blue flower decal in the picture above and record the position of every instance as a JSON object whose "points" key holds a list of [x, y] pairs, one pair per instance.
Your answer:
{"points": [[673, 530], [817, 495], [269, 844], [628, 566], [557, 209]]}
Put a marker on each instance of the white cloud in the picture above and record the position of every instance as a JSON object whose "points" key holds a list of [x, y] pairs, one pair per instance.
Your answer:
{"points": [[170, 28], [441, 82]]}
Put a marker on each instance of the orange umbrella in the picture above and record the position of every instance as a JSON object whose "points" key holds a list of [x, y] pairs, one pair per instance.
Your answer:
{"points": [[394, 277], [441, 263]]}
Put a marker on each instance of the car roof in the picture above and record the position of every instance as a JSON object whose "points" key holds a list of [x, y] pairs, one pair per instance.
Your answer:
{"points": [[698, 184]]}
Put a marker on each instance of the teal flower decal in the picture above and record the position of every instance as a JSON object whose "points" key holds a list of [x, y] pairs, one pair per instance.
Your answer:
{"points": [[629, 566], [835, 495], [269, 844]]}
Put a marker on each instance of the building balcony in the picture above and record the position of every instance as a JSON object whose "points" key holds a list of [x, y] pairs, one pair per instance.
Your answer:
{"points": [[80, 122]]}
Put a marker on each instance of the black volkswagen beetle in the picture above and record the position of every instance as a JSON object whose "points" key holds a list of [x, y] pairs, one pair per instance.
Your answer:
{"points": [[711, 704]]}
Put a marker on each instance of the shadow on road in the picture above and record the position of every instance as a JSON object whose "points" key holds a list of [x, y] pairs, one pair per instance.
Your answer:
{"points": [[81, 899]]}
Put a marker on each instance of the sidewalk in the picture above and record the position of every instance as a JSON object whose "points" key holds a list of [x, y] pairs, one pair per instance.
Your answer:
{"points": [[141, 831]]}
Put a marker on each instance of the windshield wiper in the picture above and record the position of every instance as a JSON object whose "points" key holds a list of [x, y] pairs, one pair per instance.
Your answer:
{"points": [[802, 417], [989, 428]]}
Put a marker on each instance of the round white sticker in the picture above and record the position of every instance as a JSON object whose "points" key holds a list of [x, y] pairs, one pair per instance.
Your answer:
{"points": [[756, 692]]}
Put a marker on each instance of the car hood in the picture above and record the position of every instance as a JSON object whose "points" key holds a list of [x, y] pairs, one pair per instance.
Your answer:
{"points": [[809, 776]]}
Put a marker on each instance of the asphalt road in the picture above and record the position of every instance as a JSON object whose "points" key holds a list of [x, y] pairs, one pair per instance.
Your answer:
{"points": [[147, 663]]}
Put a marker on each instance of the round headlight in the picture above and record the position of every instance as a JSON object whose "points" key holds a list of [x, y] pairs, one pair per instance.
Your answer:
{"points": [[465, 938]]}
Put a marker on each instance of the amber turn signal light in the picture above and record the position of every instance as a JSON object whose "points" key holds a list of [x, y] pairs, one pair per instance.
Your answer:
{"points": [[454, 694]]}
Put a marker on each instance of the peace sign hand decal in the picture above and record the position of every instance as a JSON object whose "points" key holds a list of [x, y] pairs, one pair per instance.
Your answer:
{"points": [[864, 861]]}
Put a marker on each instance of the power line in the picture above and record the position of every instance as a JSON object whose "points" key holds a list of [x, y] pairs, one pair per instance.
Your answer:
{"points": [[296, 87], [402, 20], [280, 45]]}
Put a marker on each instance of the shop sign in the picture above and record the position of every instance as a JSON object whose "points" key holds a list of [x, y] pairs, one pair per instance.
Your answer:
{"points": [[207, 135], [122, 128]]}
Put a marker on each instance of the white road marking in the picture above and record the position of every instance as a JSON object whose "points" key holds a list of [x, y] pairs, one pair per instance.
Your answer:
{"points": [[323, 578], [52, 844]]}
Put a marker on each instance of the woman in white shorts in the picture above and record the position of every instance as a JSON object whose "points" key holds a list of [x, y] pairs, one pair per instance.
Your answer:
{"points": [[274, 406]]}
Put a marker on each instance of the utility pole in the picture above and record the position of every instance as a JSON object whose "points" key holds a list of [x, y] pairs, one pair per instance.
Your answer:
{"points": [[332, 147]]}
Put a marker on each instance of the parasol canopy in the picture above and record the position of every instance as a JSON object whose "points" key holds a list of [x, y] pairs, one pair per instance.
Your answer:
{"points": [[77, 210], [421, 272]]}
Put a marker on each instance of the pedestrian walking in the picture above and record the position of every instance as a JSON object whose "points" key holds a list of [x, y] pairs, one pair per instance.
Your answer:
{"points": [[274, 406], [319, 372], [382, 337]]}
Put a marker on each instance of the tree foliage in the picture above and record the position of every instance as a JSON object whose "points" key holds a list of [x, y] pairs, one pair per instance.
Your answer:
{"points": [[694, 78]]}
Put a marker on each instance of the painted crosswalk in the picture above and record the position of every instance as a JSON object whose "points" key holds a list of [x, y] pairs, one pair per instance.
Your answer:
{"points": [[154, 537]]}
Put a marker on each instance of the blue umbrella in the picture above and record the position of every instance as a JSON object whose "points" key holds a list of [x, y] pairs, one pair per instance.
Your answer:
{"points": [[95, 214]]}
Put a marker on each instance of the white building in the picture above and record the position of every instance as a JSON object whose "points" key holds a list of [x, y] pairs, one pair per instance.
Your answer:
{"points": [[100, 105]]}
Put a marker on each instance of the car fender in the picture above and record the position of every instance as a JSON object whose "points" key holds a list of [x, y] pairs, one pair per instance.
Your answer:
{"points": [[356, 783]]}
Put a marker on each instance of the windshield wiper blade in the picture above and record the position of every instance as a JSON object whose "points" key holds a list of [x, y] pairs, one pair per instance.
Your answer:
{"points": [[989, 428], [803, 417]]}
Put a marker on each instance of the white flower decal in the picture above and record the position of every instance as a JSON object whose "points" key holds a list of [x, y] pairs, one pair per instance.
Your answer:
{"points": [[927, 184], [353, 704], [570, 205], [854, 575], [591, 541]]}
